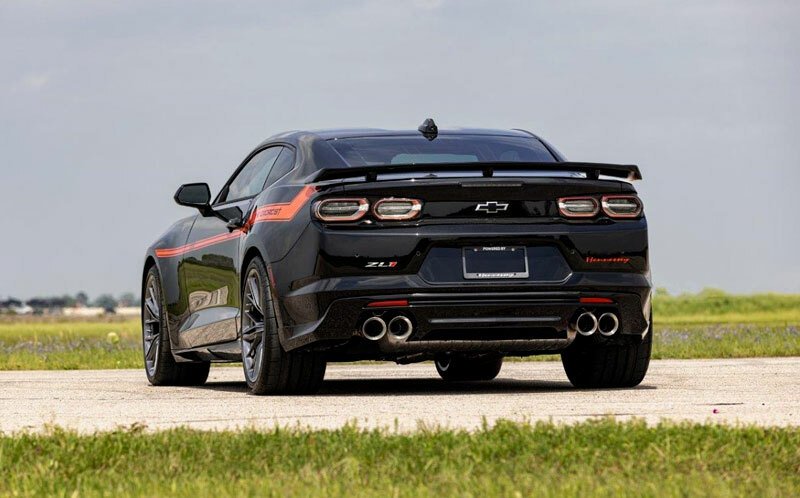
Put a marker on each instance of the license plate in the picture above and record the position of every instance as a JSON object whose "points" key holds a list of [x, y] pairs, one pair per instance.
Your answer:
{"points": [[495, 262]]}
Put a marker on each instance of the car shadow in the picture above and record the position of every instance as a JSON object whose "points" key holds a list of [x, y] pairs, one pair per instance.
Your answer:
{"points": [[425, 386]]}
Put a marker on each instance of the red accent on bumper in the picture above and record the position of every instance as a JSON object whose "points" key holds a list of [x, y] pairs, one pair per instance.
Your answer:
{"points": [[396, 303], [596, 300]]}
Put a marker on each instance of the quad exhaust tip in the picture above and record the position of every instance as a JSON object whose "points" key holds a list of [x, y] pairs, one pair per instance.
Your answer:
{"points": [[608, 324], [586, 324], [400, 327], [373, 328]]}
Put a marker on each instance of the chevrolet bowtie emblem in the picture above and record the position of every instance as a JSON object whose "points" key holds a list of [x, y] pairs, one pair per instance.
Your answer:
{"points": [[492, 207]]}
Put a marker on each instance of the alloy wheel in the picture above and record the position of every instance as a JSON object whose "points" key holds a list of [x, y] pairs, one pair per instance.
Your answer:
{"points": [[252, 325], [151, 331]]}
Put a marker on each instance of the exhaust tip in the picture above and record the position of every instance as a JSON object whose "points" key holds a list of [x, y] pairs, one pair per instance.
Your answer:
{"points": [[400, 327], [608, 324], [586, 324], [373, 328]]}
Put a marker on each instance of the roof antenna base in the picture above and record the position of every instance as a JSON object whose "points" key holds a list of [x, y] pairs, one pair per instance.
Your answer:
{"points": [[429, 129]]}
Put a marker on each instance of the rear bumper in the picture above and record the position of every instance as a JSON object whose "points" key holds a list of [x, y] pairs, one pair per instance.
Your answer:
{"points": [[326, 283], [506, 319]]}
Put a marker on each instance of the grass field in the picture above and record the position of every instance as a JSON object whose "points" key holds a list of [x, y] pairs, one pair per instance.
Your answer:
{"points": [[716, 307], [599, 458], [710, 324], [69, 344]]}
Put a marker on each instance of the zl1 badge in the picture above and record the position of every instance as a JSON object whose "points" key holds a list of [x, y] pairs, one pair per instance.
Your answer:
{"points": [[381, 264]]}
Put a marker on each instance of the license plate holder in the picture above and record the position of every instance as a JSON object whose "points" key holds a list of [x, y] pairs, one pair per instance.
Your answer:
{"points": [[495, 262]]}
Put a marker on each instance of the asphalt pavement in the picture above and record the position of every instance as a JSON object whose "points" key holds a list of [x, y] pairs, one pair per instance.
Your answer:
{"points": [[763, 391]]}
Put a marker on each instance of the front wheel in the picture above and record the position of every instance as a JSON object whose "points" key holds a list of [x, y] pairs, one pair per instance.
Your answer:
{"points": [[613, 365], [159, 364], [454, 368], [268, 369]]}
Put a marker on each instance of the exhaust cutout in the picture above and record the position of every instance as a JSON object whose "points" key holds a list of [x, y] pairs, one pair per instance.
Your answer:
{"points": [[608, 324], [400, 327], [373, 328], [586, 324]]}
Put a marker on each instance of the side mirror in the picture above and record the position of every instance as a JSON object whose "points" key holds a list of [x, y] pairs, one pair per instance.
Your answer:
{"points": [[196, 195]]}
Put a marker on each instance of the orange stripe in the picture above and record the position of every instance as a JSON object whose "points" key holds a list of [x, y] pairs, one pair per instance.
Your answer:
{"points": [[282, 211], [217, 239]]}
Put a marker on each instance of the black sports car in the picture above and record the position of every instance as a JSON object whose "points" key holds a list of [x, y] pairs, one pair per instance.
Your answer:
{"points": [[459, 246]]}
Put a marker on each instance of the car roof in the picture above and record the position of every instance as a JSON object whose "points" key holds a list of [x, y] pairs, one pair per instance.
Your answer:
{"points": [[315, 151], [339, 133]]}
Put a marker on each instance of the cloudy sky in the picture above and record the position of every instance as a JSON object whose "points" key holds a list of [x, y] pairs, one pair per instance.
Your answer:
{"points": [[106, 107]]}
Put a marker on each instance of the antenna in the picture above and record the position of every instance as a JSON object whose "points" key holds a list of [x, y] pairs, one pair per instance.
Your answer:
{"points": [[429, 129]]}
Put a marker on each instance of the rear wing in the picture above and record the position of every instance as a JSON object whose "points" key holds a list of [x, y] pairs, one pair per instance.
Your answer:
{"points": [[593, 171]]}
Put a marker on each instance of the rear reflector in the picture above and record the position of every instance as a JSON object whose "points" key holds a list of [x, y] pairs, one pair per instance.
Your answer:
{"points": [[397, 209], [341, 209], [395, 303], [578, 207], [622, 206], [596, 300]]}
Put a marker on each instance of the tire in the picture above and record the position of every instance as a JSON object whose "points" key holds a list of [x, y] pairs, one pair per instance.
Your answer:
{"points": [[268, 369], [618, 365], [159, 364], [454, 368]]}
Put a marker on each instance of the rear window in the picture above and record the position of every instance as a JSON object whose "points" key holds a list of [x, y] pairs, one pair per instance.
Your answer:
{"points": [[368, 151]]}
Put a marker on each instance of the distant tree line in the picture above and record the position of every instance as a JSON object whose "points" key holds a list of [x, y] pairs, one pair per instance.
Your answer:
{"points": [[106, 301]]}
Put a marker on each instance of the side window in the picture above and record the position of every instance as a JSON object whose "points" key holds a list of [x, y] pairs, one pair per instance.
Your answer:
{"points": [[283, 165], [250, 179]]}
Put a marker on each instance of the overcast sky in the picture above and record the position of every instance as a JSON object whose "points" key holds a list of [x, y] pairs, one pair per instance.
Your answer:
{"points": [[106, 107]]}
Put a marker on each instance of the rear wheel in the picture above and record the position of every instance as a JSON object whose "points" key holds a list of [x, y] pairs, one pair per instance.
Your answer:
{"points": [[268, 369], [455, 368], [159, 364], [617, 365]]}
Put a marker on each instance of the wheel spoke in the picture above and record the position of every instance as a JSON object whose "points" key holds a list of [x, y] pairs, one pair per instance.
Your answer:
{"points": [[251, 353], [254, 316], [152, 308], [151, 350], [251, 300], [258, 349], [255, 293], [252, 333]]}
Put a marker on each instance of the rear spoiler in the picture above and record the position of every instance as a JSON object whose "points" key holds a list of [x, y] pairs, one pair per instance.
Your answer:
{"points": [[592, 170]]}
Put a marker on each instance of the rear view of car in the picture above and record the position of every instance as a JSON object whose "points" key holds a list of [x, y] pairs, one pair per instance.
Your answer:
{"points": [[465, 248], [458, 246]]}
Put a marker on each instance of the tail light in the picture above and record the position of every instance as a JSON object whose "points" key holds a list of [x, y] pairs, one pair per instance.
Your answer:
{"points": [[397, 209], [341, 209], [578, 207], [622, 206]]}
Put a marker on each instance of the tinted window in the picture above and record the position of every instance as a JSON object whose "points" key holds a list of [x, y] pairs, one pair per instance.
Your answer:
{"points": [[366, 151], [283, 165], [250, 179]]}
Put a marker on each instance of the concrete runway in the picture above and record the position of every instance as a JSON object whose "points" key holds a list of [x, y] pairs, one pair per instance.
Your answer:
{"points": [[764, 391]]}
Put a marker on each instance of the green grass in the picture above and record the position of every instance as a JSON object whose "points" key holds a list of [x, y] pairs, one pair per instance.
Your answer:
{"points": [[69, 345], [725, 341], [598, 458], [714, 306], [710, 324], [43, 330]]}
